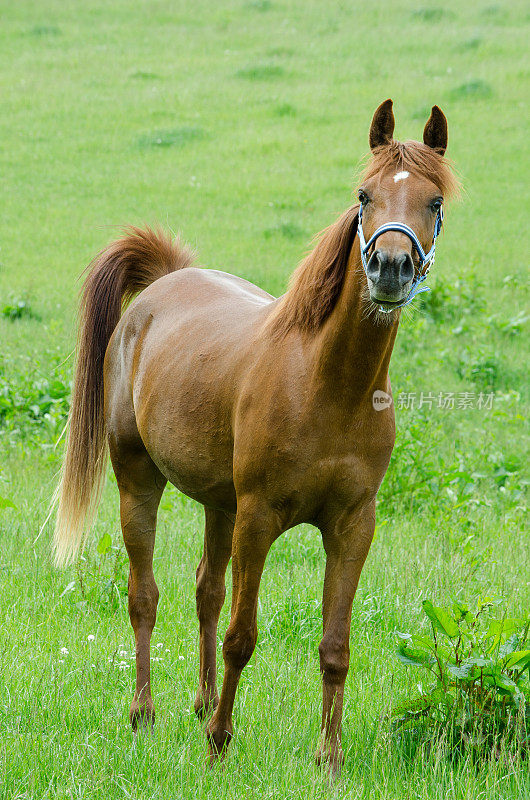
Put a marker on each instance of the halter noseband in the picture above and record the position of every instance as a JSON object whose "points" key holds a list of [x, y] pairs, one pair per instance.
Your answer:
{"points": [[426, 259]]}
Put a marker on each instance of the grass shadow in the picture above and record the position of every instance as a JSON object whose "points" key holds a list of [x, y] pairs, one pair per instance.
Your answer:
{"points": [[175, 137], [261, 72], [471, 90]]}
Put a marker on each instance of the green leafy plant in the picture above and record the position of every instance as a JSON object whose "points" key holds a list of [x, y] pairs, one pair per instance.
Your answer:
{"points": [[30, 402], [485, 371], [450, 301], [421, 469], [478, 667], [428, 470], [18, 309], [512, 326]]}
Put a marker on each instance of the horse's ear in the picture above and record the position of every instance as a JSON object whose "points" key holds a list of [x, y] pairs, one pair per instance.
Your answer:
{"points": [[435, 131], [382, 126]]}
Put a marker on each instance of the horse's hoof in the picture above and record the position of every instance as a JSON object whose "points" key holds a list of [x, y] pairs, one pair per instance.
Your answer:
{"points": [[218, 741], [204, 706], [330, 761], [142, 718]]}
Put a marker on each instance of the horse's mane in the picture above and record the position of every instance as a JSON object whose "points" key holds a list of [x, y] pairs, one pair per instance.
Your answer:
{"points": [[316, 283]]}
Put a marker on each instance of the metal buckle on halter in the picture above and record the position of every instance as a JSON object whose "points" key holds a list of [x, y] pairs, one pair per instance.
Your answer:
{"points": [[426, 259]]}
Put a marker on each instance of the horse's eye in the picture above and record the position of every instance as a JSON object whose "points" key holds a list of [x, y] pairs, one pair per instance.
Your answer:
{"points": [[363, 197], [436, 204]]}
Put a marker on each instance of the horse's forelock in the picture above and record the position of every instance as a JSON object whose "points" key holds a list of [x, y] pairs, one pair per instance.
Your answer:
{"points": [[416, 158]]}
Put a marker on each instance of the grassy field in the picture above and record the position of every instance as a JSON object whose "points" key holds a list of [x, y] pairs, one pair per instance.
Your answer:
{"points": [[241, 124]]}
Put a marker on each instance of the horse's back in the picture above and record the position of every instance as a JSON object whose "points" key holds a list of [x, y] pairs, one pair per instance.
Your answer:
{"points": [[172, 370], [194, 288]]}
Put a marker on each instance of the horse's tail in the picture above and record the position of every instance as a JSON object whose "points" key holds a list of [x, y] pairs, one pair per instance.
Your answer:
{"points": [[122, 269]]}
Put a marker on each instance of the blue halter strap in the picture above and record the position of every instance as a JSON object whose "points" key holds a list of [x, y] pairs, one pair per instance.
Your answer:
{"points": [[426, 259]]}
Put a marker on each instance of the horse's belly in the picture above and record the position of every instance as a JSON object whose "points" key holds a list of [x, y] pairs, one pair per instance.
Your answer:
{"points": [[196, 470], [187, 433]]}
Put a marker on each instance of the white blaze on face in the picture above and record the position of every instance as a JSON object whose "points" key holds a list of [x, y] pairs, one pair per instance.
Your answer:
{"points": [[401, 176]]}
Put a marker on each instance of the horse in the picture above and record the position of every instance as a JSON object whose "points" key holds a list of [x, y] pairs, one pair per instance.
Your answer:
{"points": [[262, 409]]}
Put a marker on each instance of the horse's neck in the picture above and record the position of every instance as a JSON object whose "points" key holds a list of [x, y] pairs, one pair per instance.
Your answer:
{"points": [[352, 350]]}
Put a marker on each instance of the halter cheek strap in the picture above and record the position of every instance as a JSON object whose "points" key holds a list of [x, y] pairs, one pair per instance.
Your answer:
{"points": [[426, 259]]}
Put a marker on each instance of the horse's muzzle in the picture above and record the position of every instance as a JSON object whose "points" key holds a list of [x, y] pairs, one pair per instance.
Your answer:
{"points": [[389, 276]]}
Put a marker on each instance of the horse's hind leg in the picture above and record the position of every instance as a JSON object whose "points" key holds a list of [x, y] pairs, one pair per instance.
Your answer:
{"points": [[141, 485], [210, 597]]}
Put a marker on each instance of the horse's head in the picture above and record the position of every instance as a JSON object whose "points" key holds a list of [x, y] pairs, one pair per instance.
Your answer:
{"points": [[401, 196]]}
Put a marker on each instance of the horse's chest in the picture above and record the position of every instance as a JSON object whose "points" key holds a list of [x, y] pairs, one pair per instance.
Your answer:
{"points": [[304, 467], [352, 473]]}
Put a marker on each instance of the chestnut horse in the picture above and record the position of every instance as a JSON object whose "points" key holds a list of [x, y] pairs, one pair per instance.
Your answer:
{"points": [[259, 408]]}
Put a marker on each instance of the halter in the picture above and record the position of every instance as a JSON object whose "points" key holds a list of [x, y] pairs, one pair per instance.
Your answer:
{"points": [[426, 259]]}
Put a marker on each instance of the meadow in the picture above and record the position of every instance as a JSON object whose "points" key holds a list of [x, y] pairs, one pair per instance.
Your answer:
{"points": [[241, 124]]}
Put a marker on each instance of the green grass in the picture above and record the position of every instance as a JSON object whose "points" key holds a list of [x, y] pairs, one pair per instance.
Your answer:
{"points": [[241, 124]]}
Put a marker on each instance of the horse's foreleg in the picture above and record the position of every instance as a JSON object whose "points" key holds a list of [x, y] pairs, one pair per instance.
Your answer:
{"points": [[210, 597], [346, 542], [254, 532], [141, 486]]}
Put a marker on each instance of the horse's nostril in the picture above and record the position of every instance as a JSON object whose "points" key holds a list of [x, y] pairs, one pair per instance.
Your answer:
{"points": [[406, 268], [376, 265]]}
